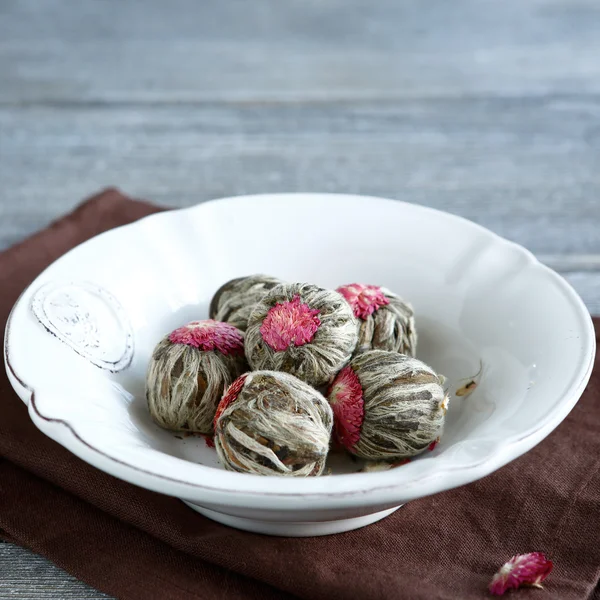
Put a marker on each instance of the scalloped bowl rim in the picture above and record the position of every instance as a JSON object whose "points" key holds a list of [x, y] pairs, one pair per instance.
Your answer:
{"points": [[381, 488]]}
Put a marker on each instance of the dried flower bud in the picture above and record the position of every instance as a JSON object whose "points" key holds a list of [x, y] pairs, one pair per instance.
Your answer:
{"points": [[472, 383], [301, 329], [188, 372], [387, 406], [524, 569], [386, 322], [271, 423], [235, 300]]}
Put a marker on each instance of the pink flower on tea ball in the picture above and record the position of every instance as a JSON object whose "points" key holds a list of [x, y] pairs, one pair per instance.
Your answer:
{"points": [[364, 299], [301, 329], [346, 399], [231, 393], [210, 335], [385, 320], [292, 323], [386, 406], [188, 372]]}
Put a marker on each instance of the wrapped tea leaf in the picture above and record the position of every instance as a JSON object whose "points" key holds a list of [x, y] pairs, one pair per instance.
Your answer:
{"points": [[189, 371], [387, 406], [386, 322], [271, 423], [301, 329], [234, 301]]}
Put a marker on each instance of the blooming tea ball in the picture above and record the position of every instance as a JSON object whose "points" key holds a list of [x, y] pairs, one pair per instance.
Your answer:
{"points": [[233, 302], [301, 329], [271, 423], [386, 322], [189, 370], [387, 405]]}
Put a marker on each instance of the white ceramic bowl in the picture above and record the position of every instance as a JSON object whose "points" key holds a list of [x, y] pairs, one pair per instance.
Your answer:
{"points": [[79, 339]]}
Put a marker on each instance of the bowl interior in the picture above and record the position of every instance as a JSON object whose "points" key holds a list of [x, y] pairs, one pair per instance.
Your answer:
{"points": [[480, 301]]}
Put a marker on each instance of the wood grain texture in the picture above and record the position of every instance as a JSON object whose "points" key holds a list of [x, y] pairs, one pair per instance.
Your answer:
{"points": [[489, 110], [232, 50], [588, 286], [527, 169], [26, 576]]}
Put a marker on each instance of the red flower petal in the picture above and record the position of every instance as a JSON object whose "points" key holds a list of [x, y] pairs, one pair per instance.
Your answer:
{"points": [[433, 444], [523, 569], [231, 393], [345, 396], [290, 323], [364, 299], [210, 442], [210, 335]]}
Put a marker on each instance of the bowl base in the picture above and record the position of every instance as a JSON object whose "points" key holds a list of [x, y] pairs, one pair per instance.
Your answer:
{"points": [[292, 528]]}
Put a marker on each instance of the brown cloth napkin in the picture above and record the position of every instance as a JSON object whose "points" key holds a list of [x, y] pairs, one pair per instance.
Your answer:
{"points": [[136, 544]]}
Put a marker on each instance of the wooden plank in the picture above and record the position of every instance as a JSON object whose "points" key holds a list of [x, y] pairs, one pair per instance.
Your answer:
{"points": [[528, 169], [572, 263], [27, 576], [265, 50], [587, 286]]}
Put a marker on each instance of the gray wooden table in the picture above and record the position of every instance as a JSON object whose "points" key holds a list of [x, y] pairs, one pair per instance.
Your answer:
{"points": [[490, 110]]}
